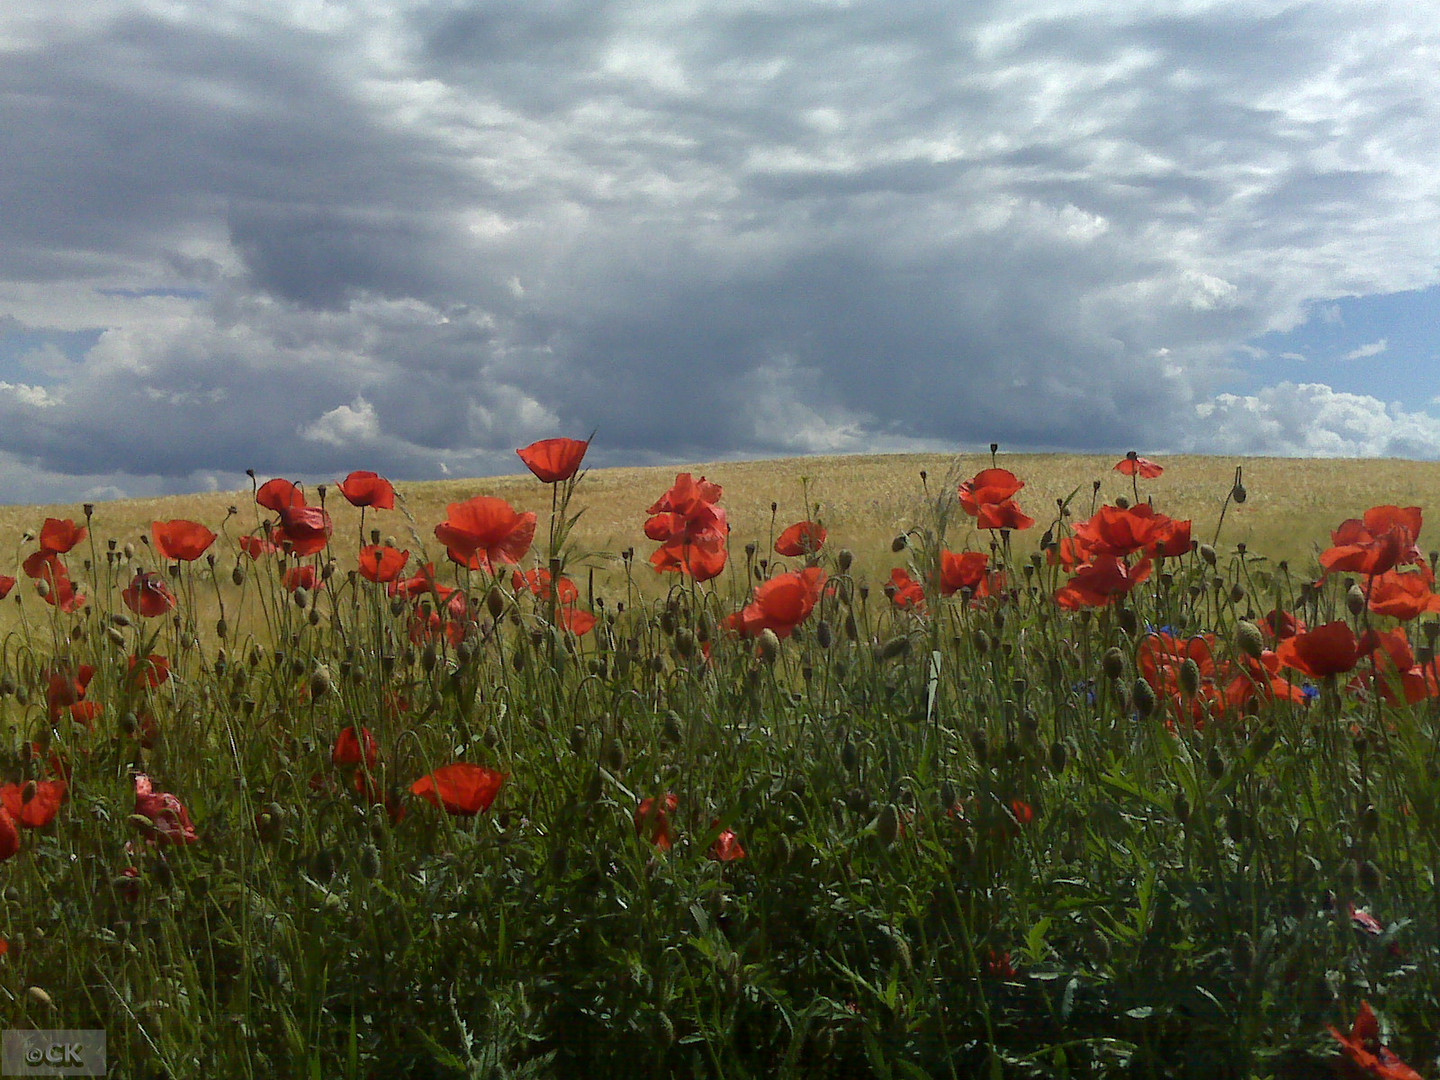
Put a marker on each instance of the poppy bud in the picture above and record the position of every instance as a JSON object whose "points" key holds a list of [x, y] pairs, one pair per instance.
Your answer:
{"points": [[115, 635], [1113, 663], [39, 997], [517, 660], [895, 647], [844, 560], [1207, 553], [1242, 953], [1143, 696], [1249, 639], [899, 544], [370, 861], [1214, 763], [1189, 677], [1181, 807], [128, 551], [824, 636], [1127, 620], [1122, 503], [313, 616], [494, 601], [42, 588], [615, 755], [767, 646], [980, 745], [684, 642], [852, 631], [850, 755], [1235, 823], [1238, 492], [1355, 599], [1059, 756], [1369, 875], [887, 824], [301, 598], [671, 727], [1369, 820]]}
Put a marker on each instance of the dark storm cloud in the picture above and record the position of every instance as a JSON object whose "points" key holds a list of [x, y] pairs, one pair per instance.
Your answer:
{"points": [[307, 238]]}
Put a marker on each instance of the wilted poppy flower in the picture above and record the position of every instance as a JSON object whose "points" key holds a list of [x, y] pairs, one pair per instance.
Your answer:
{"points": [[6, 584], [181, 540], [1384, 539], [727, 847], [305, 529], [462, 789], [148, 595], [382, 563], [148, 671], [299, 577], [279, 495], [354, 746], [58, 536], [782, 603], [802, 538], [1133, 464], [554, 460], [363, 488], [168, 816], [1327, 650], [9, 836], [484, 532], [653, 816], [1365, 1055], [255, 546], [34, 804]]}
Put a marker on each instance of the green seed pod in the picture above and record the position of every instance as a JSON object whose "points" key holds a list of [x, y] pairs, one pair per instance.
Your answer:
{"points": [[1059, 756], [895, 648], [887, 824], [823, 634], [1214, 763], [615, 755], [370, 861]]}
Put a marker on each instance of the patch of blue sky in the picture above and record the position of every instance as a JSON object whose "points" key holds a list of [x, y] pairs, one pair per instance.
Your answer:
{"points": [[28, 353], [1386, 346]]}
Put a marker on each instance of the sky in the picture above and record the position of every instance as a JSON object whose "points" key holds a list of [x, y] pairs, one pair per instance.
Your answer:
{"points": [[324, 235]]}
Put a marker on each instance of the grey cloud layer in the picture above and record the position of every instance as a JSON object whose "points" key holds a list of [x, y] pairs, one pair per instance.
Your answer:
{"points": [[398, 240]]}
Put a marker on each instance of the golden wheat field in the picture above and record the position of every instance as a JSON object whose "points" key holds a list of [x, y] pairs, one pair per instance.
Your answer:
{"points": [[864, 501]]}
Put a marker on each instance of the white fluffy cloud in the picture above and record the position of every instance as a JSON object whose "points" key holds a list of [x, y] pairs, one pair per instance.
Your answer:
{"points": [[306, 238], [1312, 420]]}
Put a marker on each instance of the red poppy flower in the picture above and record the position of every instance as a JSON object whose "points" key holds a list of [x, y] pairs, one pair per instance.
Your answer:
{"points": [[1384, 539], [150, 671], [554, 460], [483, 532], [998, 964], [147, 595], [181, 540], [783, 603], [353, 746], [1365, 1055], [462, 789], [171, 820], [577, 621], [1400, 679], [422, 584], [1116, 531], [988, 487], [1133, 463], [1098, 583], [305, 529], [382, 563], [967, 570], [653, 815], [1003, 515], [34, 804], [299, 577], [9, 836], [691, 529], [906, 593], [802, 538], [255, 546], [538, 582], [6, 584], [1280, 624], [1327, 650], [66, 688], [701, 559], [1403, 595], [687, 497], [59, 536], [727, 847], [279, 495], [363, 488]]}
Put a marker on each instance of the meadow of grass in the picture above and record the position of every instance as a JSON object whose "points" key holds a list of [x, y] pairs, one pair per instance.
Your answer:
{"points": [[868, 828]]}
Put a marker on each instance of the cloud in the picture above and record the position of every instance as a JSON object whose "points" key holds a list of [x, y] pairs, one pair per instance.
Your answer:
{"points": [[292, 237], [1312, 420], [1375, 348]]}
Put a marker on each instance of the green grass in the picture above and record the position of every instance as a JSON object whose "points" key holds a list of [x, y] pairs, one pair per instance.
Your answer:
{"points": [[967, 852]]}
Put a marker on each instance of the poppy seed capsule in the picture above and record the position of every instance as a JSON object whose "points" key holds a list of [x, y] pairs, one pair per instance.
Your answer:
{"points": [[1248, 639], [1113, 663]]}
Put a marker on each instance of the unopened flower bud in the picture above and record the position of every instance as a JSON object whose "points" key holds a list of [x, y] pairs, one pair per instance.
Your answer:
{"points": [[1113, 663], [1143, 696], [1207, 553], [1189, 677], [1249, 639], [887, 824], [1355, 599]]}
